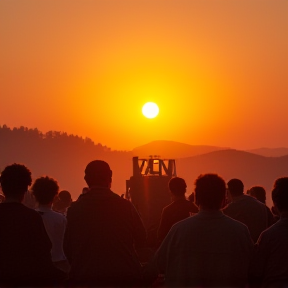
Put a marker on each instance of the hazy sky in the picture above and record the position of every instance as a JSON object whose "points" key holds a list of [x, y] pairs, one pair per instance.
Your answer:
{"points": [[218, 69]]}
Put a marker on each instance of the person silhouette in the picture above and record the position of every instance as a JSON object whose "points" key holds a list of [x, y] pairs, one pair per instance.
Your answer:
{"points": [[24, 244], [270, 264], [103, 234], [179, 209], [45, 189], [208, 249], [246, 209], [259, 193], [62, 202]]}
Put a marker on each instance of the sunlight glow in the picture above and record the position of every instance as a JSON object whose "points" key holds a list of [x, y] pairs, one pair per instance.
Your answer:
{"points": [[150, 110]]}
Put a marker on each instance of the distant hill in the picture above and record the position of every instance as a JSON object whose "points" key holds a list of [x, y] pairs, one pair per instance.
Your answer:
{"points": [[61, 156], [171, 149], [252, 169], [64, 158], [270, 152]]}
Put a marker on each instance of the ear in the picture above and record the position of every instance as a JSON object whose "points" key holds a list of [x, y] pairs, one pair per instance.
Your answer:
{"points": [[86, 179]]}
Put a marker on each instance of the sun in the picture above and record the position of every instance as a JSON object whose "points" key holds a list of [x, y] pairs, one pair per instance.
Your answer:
{"points": [[150, 110]]}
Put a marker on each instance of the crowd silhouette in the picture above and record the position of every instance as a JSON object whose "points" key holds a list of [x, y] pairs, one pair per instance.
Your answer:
{"points": [[219, 237]]}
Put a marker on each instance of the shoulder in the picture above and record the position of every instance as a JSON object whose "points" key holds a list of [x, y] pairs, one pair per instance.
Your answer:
{"points": [[168, 207], [279, 228], [234, 223], [30, 215], [237, 227], [58, 216], [183, 224], [29, 211], [192, 206], [253, 201], [230, 206]]}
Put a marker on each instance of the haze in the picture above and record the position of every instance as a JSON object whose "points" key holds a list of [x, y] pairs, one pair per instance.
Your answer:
{"points": [[217, 70]]}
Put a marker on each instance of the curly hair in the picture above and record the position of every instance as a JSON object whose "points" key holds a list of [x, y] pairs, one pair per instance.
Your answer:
{"points": [[45, 189], [15, 180]]}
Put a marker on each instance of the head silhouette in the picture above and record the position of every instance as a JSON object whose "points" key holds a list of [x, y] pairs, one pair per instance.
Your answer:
{"points": [[177, 186], [280, 182], [65, 197], [259, 193], [45, 189], [15, 180], [280, 194], [210, 190], [98, 173], [235, 187], [62, 201]]}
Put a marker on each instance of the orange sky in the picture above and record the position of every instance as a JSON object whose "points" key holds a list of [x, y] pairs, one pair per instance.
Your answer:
{"points": [[218, 69]]}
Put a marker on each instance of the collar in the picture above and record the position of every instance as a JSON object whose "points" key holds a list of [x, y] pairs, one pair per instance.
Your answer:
{"points": [[210, 214], [239, 198]]}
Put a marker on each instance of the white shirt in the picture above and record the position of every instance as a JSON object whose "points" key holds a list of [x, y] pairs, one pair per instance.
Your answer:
{"points": [[55, 224]]}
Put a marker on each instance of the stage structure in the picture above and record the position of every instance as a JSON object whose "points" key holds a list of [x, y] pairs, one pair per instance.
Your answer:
{"points": [[148, 189]]}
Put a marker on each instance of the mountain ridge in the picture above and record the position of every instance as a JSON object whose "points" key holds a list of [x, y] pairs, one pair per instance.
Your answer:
{"points": [[64, 157], [172, 149]]}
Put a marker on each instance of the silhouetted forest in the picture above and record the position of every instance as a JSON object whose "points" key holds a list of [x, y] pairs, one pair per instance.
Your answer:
{"points": [[61, 156], [64, 157]]}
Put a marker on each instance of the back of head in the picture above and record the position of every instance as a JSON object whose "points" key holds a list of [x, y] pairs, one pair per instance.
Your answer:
{"points": [[280, 194], [280, 182], [45, 189], [210, 190], [65, 196], [259, 193], [98, 173], [236, 187], [15, 180], [177, 186], [62, 201]]}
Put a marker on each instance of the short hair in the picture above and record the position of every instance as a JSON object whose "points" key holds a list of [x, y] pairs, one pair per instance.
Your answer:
{"points": [[210, 190], [259, 193], [65, 196], [177, 186], [45, 189], [280, 194], [236, 187], [98, 172], [279, 181], [15, 180]]}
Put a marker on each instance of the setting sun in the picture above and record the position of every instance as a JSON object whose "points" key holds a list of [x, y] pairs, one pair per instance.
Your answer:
{"points": [[150, 110]]}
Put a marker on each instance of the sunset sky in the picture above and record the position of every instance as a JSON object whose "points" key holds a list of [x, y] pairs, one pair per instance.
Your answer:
{"points": [[218, 70]]}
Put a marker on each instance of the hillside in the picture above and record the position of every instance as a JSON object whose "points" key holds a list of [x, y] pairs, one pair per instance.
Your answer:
{"points": [[250, 168], [61, 156], [270, 152], [172, 149], [64, 158]]}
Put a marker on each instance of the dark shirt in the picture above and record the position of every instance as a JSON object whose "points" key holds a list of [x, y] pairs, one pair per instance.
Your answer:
{"points": [[24, 247], [173, 213], [271, 218], [251, 212], [270, 264], [103, 230]]}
